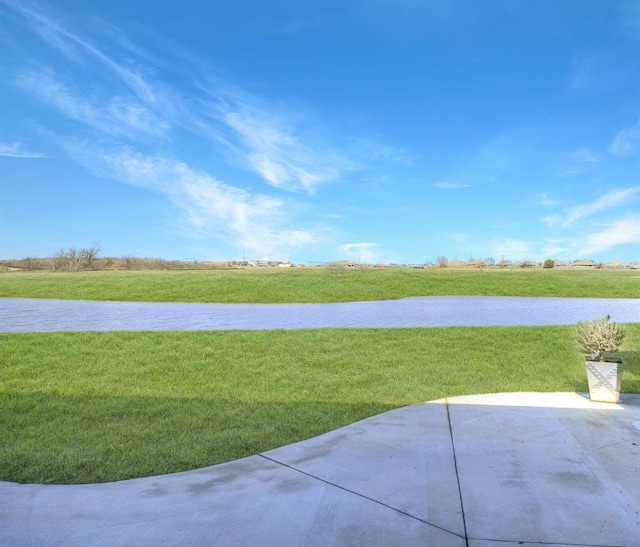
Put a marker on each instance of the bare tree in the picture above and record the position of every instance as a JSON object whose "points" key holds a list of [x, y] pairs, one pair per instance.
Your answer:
{"points": [[89, 255], [73, 259]]}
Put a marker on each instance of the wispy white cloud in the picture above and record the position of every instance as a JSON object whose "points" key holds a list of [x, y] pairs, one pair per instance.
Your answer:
{"points": [[450, 185], [554, 248], [551, 220], [257, 223], [580, 161], [125, 98], [113, 94], [612, 198], [18, 150], [623, 231], [272, 146], [360, 252], [627, 141], [596, 232], [77, 48], [111, 114], [49, 30], [121, 73], [584, 155]]}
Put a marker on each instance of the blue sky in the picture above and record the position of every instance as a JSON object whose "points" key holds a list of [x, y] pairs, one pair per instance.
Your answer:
{"points": [[371, 130]]}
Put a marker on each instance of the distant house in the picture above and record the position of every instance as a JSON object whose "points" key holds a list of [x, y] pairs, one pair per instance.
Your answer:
{"points": [[455, 263], [584, 264], [527, 264], [344, 264], [634, 265], [505, 264], [615, 265], [561, 264], [476, 263]]}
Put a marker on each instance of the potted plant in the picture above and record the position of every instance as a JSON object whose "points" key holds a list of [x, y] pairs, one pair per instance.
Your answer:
{"points": [[599, 341]]}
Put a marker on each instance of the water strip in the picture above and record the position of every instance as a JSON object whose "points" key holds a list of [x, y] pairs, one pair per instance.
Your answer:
{"points": [[39, 315]]}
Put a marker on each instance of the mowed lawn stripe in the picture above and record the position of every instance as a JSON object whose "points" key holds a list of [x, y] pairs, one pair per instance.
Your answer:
{"points": [[304, 285], [91, 407]]}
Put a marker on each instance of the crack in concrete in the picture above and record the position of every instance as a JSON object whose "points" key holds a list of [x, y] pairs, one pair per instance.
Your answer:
{"points": [[455, 465], [364, 497]]}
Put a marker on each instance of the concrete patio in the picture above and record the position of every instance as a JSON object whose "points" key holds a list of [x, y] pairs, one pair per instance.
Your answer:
{"points": [[478, 471]]}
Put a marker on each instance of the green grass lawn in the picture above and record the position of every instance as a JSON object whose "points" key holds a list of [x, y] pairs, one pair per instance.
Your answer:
{"points": [[303, 285], [91, 407]]}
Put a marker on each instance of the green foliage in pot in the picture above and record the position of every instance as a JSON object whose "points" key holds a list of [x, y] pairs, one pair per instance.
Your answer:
{"points": [[600, 339]]}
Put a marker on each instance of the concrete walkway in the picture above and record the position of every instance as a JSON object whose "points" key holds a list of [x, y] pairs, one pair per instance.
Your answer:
{"points": [[479, 471]]}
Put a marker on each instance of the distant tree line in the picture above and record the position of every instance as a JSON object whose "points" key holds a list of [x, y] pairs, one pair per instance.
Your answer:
{"points": [[78, 259]]}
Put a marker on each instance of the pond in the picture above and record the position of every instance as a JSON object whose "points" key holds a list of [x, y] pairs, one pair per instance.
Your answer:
{"points": [[37, 315]]}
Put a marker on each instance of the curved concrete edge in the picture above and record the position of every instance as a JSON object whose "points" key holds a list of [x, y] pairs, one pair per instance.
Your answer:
{"points": [[478, 470]]}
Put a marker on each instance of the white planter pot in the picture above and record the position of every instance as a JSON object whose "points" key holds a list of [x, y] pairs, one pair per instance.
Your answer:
{"points": [[605, 381]]}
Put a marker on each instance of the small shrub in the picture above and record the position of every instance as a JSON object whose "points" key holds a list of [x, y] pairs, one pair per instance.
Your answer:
{"points": [[598, 339]]}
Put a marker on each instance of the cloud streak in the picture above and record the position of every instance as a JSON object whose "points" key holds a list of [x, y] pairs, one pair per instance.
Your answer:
{"points": [[118, 117], [450, 185], [599, 231], [267, 143], [613, 198], [360, 252], [272, 146], [211, 207], [624, 231], [18, 150], [110, 94], [130, 102], [627, 141], [76, 48]]}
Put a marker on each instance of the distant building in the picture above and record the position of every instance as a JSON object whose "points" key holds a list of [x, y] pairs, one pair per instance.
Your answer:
{"points": [[343, 264], [527, 264], [584, 264]]}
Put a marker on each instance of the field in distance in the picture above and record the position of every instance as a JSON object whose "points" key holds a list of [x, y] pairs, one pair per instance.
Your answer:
{"points": [[310, 285]]}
